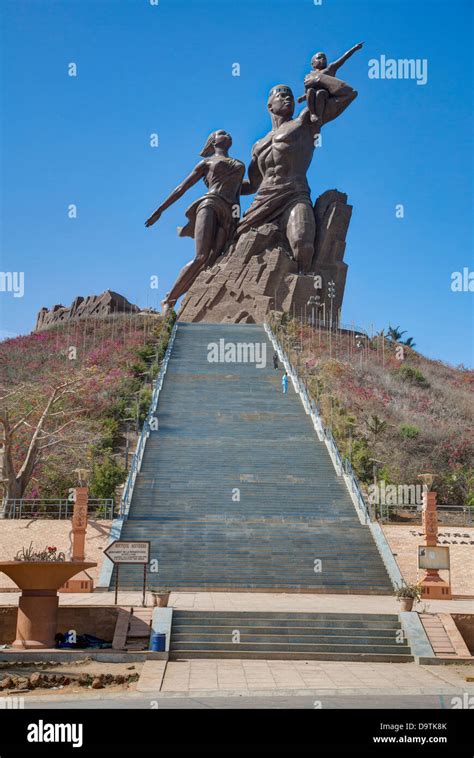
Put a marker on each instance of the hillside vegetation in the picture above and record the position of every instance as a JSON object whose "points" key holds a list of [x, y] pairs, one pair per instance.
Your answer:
{"points": [[385, 401], [95, 375]]}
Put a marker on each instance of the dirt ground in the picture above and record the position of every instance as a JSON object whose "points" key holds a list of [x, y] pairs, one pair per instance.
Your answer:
{"points": [[70, 669]]}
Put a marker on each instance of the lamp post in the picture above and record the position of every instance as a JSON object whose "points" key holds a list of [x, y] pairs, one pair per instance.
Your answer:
{"points": [[376, 463], [351, 425], [360, 345], [313, 301], [331, 295], [127, 441]]}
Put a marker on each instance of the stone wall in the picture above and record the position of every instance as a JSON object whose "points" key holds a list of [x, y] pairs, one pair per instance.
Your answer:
{"points": [[465, 624], [97, 620]]}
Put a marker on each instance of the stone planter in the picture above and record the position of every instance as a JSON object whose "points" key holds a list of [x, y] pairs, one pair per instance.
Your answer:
{"points": [[160, 599], [39, 582], [407, 603]]}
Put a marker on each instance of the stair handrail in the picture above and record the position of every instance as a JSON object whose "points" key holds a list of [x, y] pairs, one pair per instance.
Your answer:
{"points": [[344, 465], [160, 378], [335, 450], [357, 491], [137, 459]]}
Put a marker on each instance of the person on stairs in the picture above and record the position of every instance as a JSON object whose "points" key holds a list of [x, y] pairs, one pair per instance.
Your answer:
{"points": [[284, 383]]}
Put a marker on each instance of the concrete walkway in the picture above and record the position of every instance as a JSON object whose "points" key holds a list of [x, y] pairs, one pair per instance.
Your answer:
{"points": [[323, 678], [278, 700], [87, 598], [305, 602], [260, 601]]}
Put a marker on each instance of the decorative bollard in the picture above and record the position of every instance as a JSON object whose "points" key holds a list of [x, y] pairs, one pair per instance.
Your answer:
{"points": [[432, 586]]}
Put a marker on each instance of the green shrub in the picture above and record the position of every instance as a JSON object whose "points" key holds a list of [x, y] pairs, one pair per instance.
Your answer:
{"points": [[55, 483], [361, 463], [409, 432], [119, 409], [146, 352], [139, 368], [106, 476], [144, 400], [110, 434], [412, 375]]}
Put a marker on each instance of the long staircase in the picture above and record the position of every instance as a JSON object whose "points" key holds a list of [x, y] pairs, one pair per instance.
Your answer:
{"points": [[235, 489]]}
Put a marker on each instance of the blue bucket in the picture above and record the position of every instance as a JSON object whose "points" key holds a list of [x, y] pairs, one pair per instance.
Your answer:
{"points": [[158, 642]]}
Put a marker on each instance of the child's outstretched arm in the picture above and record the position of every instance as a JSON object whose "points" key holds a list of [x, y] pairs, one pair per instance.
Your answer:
{"points": [[337, 64]]}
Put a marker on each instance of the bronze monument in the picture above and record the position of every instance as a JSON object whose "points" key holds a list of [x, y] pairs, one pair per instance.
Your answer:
{"points": [[284, 250]]}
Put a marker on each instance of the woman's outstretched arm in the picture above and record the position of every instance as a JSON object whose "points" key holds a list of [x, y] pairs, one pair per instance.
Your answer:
{"points": [[196, 174]]}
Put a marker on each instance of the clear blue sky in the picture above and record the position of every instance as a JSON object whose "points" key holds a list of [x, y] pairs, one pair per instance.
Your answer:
{"points": [[168, 69]]}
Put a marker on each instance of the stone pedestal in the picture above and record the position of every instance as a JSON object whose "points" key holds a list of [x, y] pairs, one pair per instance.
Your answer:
{"points": [[38, 607], [257, 273], [432, 586], [37, 619]]}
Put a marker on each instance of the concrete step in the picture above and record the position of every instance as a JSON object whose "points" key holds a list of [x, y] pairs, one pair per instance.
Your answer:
{"points": [[203, 639], [276, 646], [268, 635], [270, 617], [295, 655]]}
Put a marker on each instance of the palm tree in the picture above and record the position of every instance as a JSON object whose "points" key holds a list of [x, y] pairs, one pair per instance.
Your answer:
{"points": [[409, 342], [394, 333]]}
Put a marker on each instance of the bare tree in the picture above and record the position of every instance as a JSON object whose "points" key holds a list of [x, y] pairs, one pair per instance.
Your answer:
{"points": [[15, 479]]}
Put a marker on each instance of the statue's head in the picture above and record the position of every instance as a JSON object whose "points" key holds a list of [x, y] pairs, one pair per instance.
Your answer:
{"points": [[319, 61], [281, 102], [221, 139]]}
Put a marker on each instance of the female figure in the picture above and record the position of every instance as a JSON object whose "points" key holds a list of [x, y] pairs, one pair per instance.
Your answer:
{"points": [[211, 219]]}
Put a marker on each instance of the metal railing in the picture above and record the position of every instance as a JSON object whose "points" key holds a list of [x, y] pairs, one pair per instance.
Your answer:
{"points": [[448, 515], [148, 424], [336, 325], [51, 508], [342, 466], [357, 491]]}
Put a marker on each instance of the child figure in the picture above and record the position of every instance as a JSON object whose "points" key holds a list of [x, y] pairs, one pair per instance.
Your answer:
{"points": [[316, 98]]}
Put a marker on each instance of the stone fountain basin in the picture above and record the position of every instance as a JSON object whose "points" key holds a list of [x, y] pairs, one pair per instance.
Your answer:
{"points": [[43, 575]]}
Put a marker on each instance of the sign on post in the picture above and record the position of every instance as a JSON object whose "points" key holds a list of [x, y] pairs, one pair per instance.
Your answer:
{"points": [[120, 551], [433, 557]]}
